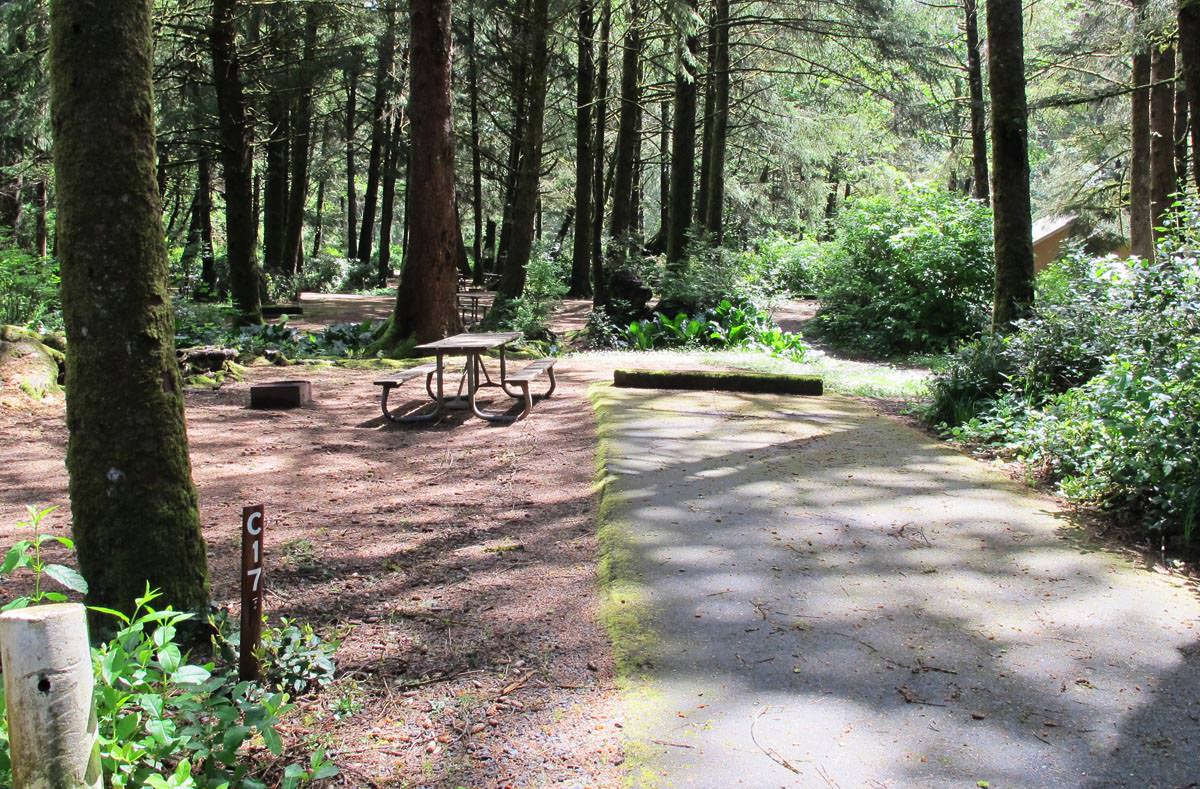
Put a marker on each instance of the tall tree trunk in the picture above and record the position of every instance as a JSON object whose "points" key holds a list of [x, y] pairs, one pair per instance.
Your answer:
{"points": [[664, 175], [396, 153], [1141, 222], [714, 219], [599, 282], [134, 508], [1010, 157], [1182, 119], [379, 131], [979, 154], [683, 151], [301, 145], [40, 235], [275, 191], [581, 249], [1189, 53], [706, 138], [529, 168], [351, 191], [621, 222], [203, 209], [520, 83], [237, 159], [425, 301], [319, 229], [476, 163], [1162, 134]]}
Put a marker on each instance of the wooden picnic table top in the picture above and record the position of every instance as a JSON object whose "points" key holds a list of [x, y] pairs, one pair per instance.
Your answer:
{"points": [[468, 342]]}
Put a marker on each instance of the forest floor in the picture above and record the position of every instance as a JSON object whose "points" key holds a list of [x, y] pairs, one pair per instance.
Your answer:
{"points": [[457, 565]]}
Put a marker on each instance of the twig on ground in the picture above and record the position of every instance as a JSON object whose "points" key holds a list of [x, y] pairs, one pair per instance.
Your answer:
{"points": [[770, 753]]}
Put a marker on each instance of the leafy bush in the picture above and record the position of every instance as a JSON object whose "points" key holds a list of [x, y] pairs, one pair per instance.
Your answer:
{"points": [[545, 284], [1098, 390], [782, 264], [907, 274], [165, 722], [601, 333], [29, 290], [728, 325]]}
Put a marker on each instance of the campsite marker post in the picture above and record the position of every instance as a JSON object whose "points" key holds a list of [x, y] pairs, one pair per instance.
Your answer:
{"points": [[252, 591]]}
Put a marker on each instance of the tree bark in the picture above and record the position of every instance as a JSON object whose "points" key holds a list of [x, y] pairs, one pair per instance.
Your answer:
{"points": [[664, 174], [476, 163], [1141, 222], [1162, 134], [351, 191], [621, 220], [1182, 119], [301, 145], [1189, 53], [581, 249], [1010, 157], [379, 131], [41, 240], [599, 283], [275, 188], [237, 158], [683, 151], [706, 132], [133, 505], [714, 219], [525, 193], [980, 187], [396, 153], [425, 301]]}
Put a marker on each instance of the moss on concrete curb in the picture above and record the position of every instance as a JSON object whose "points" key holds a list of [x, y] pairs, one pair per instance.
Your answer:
{"points": [[624, 609], [715, 380]]}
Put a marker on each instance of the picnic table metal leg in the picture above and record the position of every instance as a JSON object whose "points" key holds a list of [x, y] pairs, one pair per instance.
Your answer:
{"points": [[473, 388], [438, 400]]}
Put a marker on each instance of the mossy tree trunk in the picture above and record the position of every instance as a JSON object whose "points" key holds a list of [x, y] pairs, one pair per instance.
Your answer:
{"points": [[1141, 223], [132, 498], [425, 304], [585, 77], [1162, 134], [622, 218], [599, 284], [1189, 55], [1010, 158], [237, 160], [529, 163], [683, 147], [980, 187]]}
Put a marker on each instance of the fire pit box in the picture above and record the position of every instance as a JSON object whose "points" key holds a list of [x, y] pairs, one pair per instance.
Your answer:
{"points": [[281, 394]]}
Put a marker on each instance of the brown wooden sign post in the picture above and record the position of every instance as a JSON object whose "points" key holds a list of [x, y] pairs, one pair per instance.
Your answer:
{"points": [[252, 591]]}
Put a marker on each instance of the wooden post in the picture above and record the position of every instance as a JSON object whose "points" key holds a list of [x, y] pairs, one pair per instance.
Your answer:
{"points": [[252, 591], [48, 683]]}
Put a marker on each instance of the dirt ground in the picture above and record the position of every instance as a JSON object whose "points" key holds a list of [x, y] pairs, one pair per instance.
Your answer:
{"points": [[456, 562]]}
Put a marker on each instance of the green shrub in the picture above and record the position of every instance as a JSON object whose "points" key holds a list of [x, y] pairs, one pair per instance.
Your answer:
{"points": [[1099, 390], [907, 274], [545, 285], [727, 325], [29, 290], [165, 722], [782, 264]]}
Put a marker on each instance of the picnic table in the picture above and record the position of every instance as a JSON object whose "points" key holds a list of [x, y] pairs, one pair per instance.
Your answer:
{"points": [[475, 376]]}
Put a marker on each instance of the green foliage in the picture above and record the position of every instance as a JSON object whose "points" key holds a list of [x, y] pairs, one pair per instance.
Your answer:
{"points": [[601, 332], [27, 554], [163, 721], [545, 284], [1098, 390], [728, 325], [293, 657], [907, 274], [199, 323], [782, 264], [29, 290]]}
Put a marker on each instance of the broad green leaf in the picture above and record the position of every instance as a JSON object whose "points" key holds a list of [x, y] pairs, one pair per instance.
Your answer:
{"points": [[68, 577]]}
